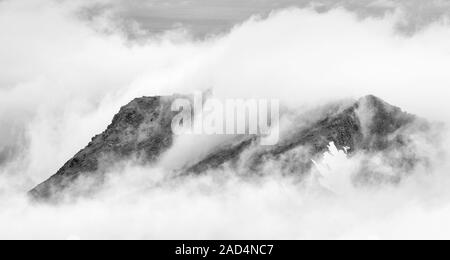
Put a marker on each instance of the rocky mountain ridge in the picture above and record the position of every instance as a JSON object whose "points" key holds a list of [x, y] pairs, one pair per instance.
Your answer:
{"points": [[142, 130]]}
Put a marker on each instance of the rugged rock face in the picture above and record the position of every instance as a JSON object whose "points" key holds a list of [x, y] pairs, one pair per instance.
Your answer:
{"points": [[142, 130], [370, 125]]}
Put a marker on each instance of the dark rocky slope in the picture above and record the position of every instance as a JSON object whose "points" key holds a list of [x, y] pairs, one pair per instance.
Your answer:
{"points": [[142, 130]]}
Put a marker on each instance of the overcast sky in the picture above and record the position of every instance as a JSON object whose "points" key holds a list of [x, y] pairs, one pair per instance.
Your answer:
{"points": [[206, 17]]}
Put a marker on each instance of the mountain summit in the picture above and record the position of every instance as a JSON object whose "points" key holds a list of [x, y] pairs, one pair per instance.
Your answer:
{"points": [[142, 130]]}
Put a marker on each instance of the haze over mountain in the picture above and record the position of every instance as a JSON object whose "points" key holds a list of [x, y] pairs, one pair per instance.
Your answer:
{"points": [[141, 131], [69, 66]]}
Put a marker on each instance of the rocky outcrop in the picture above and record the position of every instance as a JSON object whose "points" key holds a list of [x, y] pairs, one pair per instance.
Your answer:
{"points": [[379, 130], [142, 130]]}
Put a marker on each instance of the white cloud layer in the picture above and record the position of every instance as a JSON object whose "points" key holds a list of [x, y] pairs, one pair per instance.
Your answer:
{"points": [[62, 82]]}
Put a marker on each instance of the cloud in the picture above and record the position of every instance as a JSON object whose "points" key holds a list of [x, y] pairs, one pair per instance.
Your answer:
{"points": [[63, 78], [203, 18]]}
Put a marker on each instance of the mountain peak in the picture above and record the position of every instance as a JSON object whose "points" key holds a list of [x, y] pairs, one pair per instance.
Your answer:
{"points": [[142, 130]]}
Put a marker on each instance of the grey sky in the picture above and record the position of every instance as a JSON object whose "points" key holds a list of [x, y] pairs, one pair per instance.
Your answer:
{"points": [[204, 17]]}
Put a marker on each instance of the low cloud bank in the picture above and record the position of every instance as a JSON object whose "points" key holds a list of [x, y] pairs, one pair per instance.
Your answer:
{"points": [[62, 82]]}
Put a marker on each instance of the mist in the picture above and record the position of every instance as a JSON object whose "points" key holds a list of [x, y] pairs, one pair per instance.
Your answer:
{"points": [[64, 77]]}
